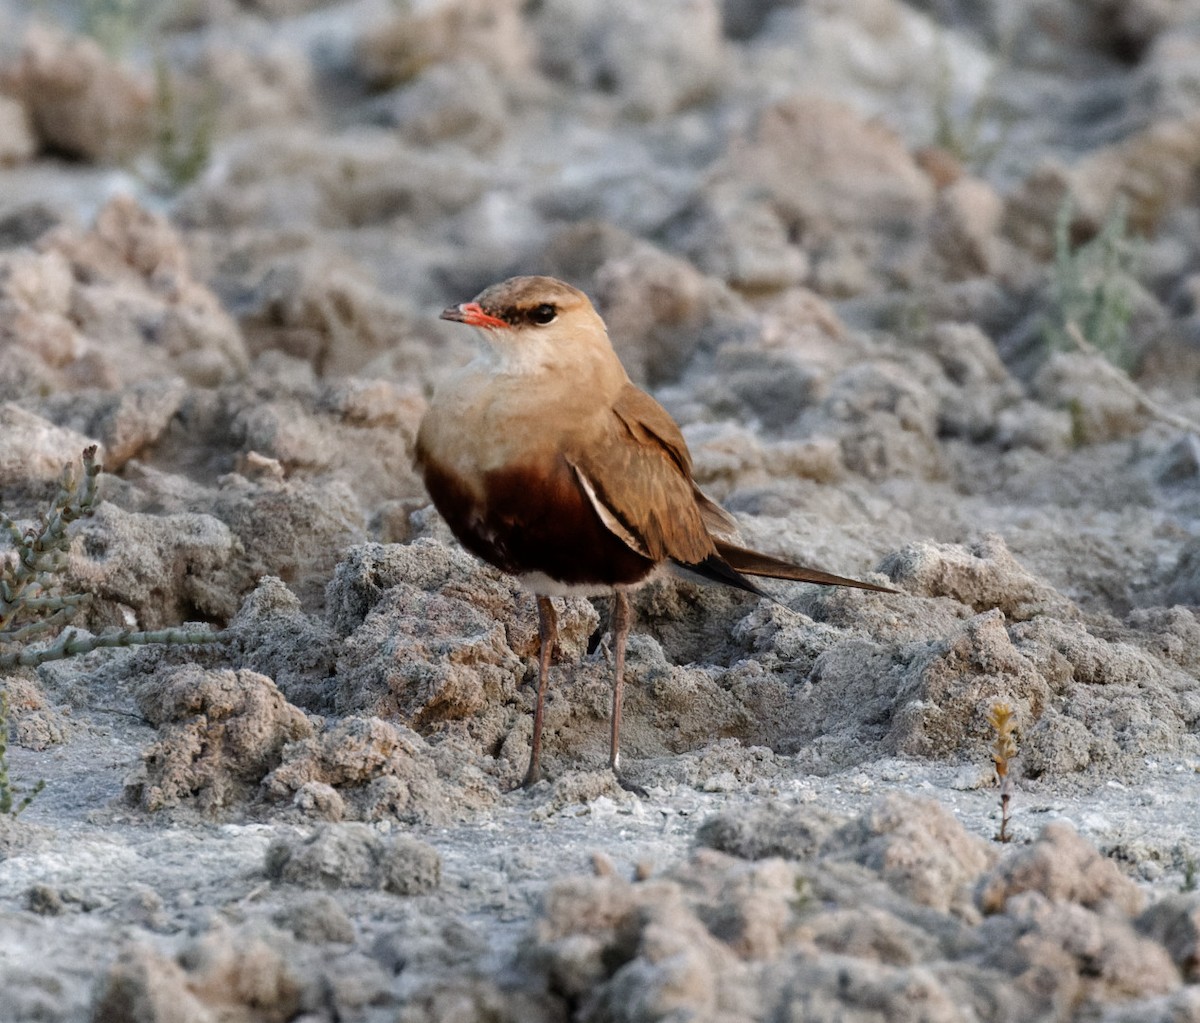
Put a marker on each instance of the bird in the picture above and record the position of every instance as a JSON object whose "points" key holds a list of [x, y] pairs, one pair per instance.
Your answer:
{"points": [[549, 463]]}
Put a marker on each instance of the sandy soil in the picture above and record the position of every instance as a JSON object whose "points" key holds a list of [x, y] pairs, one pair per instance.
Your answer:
{"points": [[920, 282]]}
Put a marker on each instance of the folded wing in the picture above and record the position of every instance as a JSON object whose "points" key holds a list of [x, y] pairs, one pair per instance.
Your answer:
{"points": [[638, 478]]}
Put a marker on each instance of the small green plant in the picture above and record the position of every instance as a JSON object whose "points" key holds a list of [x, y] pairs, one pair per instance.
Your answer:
{"points": [[1093, 287], [31, 604], [1004, 748], [13, 800], [34, 604], [116, 24], [802, 894], [974, 136], [1189, 875], [183, 132]]}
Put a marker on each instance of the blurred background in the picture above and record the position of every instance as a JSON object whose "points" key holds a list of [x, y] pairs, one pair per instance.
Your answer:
{"points": [[910, 160]]}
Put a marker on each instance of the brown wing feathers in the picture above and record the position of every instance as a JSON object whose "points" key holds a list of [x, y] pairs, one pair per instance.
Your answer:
{"points": [[640, 475], [642, 487]]}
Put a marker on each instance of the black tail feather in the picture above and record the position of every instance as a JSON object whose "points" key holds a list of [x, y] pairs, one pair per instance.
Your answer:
{"points": [[715, 569], [731, 564]]}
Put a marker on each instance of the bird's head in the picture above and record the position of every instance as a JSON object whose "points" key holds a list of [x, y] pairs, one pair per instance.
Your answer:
{"points": [[534, 324]]}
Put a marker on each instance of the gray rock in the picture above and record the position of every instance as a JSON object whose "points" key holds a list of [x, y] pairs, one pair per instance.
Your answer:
{"points": [[354, 856], [655, 62]]}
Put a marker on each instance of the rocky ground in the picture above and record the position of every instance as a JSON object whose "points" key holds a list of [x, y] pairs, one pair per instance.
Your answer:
{"points": [[921, 283]]}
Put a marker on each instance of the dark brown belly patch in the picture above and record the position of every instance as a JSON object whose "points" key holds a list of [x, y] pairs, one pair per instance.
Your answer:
{"points": [[536, 520]]}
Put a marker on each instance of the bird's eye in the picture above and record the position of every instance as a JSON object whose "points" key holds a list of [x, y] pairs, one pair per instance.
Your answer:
{"points": [[543, 314]]}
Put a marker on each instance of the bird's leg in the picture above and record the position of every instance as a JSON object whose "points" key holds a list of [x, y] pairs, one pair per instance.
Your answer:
{"points": [[620, 629], [547, 636]]}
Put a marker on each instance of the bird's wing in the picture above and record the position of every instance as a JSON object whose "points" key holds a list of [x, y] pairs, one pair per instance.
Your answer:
{"points": [[638, 476], [642, 414], [719, 522]]}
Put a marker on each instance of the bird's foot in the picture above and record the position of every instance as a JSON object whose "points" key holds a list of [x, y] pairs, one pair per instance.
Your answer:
{"points": [[630, 786], [532, 777]]}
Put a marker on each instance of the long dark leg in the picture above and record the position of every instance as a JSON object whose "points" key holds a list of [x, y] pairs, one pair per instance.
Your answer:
{"points": [[620, 628], [548, 636]]}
